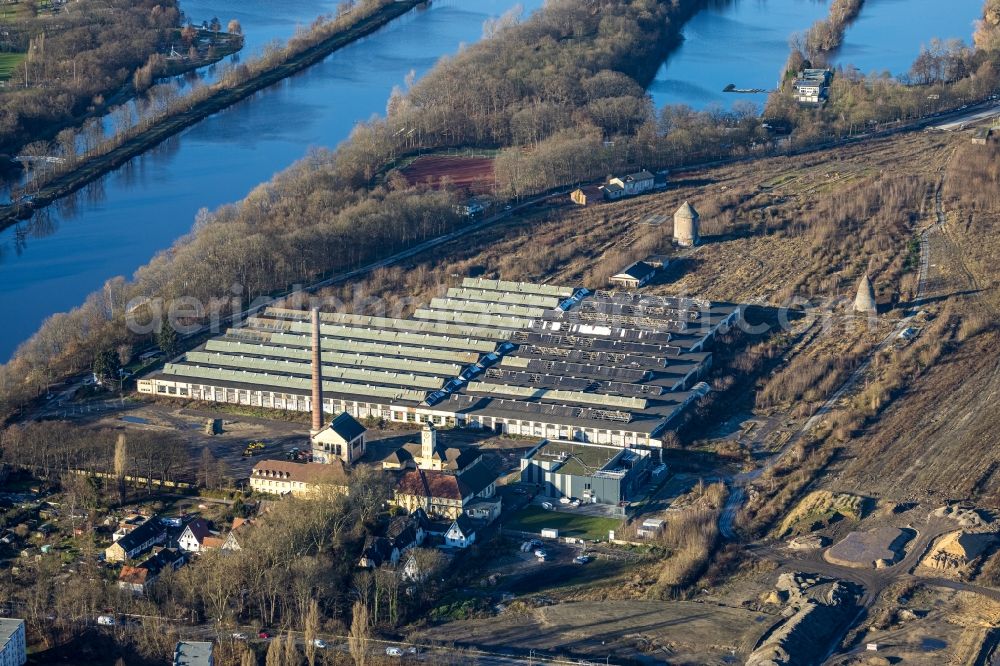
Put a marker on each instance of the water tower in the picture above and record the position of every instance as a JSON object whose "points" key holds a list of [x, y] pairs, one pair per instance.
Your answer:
{"points": [[686, 226]]}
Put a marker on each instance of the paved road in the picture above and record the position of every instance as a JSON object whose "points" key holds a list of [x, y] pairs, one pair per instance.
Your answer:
{"points": [[961, 122]]}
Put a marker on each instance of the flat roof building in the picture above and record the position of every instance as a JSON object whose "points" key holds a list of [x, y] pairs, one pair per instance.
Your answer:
{"points": [[193, 653], [588, 472], [13, 646], [527, 359]]}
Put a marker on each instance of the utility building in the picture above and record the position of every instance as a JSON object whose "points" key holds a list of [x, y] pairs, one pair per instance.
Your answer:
{"points": [[686, 223], [527, 359], [634, 276], [588, 472]]}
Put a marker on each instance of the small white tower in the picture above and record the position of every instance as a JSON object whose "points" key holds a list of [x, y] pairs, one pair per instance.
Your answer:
{"points": [[864, 301], [686, 226], [428, 443]]}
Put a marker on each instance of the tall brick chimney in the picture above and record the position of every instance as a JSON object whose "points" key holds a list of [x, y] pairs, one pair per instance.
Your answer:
{"points": [[317, 376]]}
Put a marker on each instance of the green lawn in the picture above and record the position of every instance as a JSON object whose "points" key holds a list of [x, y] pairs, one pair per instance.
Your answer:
{"points": [[8, 61], [535, 519], [18, 11]]}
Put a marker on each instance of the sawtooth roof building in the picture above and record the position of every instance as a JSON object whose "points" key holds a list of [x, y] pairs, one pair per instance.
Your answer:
{"points": [[519, 358]]}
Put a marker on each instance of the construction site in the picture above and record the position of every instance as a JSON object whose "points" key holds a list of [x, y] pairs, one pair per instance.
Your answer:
{"points": [[515, 358]]}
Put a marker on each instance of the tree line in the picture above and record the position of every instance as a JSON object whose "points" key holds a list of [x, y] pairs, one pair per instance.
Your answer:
{"points": [[561, 94], [75, 58]]}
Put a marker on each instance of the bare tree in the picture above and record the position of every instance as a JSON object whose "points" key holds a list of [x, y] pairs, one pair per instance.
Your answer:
{"points": [[357, 640], [291, 651], [121, 465], [310, 627], [275, 654]]}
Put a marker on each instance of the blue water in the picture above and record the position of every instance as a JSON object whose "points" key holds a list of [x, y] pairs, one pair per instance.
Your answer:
{"points": [[743, 42], [51, 263], [888, 34]]}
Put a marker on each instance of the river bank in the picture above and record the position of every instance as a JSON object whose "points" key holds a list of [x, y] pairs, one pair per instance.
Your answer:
{"points": [[93, 168]]}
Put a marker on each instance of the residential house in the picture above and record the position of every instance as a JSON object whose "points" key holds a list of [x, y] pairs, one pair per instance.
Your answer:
{"points": [[193, 538], [13, 646], [343, 439], [634, 276], [448, 495], [237, 534], [137, 542], [378, 550], [636, 183], [612, 191], [282, 477], [138, 578], [402, 534], [461, 534], [412, 571]]}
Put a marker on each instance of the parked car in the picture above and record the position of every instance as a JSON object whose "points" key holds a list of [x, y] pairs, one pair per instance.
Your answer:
{"points": [[547, 506], [581, 559], [106, 620], [264, 635], [239, 636], [320, 643], [564, 500], [541, 554], [575, 503], [393, 651]]}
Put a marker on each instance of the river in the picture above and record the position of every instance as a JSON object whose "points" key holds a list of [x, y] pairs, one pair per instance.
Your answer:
{"points": [[746, 43], [881, 39], [50, 263]]}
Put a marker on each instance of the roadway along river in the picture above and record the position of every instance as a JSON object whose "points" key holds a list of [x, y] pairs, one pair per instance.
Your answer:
{"points": [[51, 263]]}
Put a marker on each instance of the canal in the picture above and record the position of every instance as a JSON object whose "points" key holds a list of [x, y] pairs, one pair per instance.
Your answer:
{"points": [[52, 262]]}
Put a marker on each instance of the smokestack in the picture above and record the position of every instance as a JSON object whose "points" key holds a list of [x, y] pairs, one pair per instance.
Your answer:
{"points": [[317, 376]]}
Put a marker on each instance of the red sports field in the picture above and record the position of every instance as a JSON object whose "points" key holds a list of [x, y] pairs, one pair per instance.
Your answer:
{"points": [[473, 174]]}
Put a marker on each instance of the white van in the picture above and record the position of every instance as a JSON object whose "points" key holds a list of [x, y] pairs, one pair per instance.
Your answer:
{"points": [[106, 620]]}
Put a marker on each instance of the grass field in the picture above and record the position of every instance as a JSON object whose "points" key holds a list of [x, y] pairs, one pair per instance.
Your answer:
{"points": [[8, 61], [535, 519], [15, 12]]}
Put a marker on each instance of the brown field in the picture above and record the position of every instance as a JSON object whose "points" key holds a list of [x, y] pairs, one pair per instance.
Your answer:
{"points": [[472, 174], [685, 632]]}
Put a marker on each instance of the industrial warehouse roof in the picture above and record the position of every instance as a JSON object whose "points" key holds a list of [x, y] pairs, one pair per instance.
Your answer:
{"points": [[509, 350]]}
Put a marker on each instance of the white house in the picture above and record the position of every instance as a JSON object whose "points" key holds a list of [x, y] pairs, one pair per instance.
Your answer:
{"points": [[635, 183], [461, 534], [196, 537]]}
